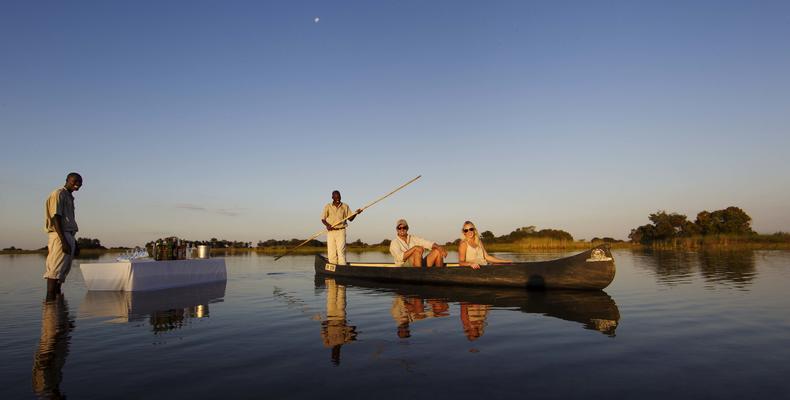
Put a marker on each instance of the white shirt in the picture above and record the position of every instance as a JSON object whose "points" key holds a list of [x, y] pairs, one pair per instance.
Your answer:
{"points": [[399, 246]]}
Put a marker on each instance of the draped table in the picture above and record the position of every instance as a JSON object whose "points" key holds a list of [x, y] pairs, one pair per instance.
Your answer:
{"points": [[147, 274]]}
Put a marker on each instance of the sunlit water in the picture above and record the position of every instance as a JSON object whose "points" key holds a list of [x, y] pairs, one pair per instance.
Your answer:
{"points": [[672, 324]]}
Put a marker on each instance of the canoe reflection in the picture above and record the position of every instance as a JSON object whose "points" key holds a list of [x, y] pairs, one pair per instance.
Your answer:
{"points": [[165, 309], [595, 310], [53, 347]]}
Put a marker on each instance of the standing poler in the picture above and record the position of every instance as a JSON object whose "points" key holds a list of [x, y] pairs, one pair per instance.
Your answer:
{"points": [[60, 225], [333, 213]]}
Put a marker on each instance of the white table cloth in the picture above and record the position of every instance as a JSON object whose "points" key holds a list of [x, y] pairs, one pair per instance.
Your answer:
{"points": [[147, 274]]}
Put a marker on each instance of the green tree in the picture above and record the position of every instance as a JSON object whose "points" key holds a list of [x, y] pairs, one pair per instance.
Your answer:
{"points": [[643, 234], [669, 226], [731, 220], [88, 243]]}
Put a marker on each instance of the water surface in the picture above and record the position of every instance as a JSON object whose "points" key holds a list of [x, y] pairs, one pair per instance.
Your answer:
{"points": [[679, 324]]}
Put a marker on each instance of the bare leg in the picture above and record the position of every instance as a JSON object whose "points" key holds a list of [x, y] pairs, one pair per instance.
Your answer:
{"points": [[435, 258], [52, 288], [416, 258]]}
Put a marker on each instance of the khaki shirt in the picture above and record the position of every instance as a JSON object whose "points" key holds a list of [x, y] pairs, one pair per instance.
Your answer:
{"points": [[333, 214], [60, 202]]}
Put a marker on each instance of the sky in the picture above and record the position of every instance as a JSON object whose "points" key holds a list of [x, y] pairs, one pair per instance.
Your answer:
{"points": [[236, 120]]}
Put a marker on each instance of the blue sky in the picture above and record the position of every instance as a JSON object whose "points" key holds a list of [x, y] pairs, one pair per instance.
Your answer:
{"points": [[237, 119]]}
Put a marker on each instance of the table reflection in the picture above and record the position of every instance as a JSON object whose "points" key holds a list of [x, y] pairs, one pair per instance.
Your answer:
{"points": [[165, 310], [53, 347]]}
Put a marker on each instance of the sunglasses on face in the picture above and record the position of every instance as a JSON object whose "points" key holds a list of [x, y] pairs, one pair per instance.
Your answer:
{"points": [[405, 228], [468, 230]]}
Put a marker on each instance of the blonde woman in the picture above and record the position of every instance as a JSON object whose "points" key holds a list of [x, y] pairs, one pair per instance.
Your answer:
{"points": [[471, 252]]}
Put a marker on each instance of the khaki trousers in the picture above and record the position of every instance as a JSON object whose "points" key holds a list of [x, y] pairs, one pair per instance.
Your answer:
{"points": [[59, 263], [336, 246]]}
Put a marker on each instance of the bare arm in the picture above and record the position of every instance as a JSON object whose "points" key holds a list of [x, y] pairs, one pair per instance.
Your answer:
{"points": [[57, 222], [359, 211], [493, 259]]}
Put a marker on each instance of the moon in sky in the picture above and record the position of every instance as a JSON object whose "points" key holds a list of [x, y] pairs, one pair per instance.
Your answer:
{"points": [[316, 19]]}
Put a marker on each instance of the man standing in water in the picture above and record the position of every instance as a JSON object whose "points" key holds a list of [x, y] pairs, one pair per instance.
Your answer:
{"points": [[333, 213], [60, 225]]}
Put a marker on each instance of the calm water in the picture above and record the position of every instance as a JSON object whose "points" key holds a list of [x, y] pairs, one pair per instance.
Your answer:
{"points": [[691, 325]]}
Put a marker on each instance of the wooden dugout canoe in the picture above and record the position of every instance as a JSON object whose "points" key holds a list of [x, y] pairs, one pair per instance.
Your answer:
{"points": [[590, 270]]}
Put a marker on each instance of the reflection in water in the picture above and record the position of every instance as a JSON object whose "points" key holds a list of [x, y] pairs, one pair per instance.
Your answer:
{"points": [[671, 268], [53, 347], [165, 310], [473, 318], [408, 309], [595, 310], [734, 267], [335, 331], [716, 266]]}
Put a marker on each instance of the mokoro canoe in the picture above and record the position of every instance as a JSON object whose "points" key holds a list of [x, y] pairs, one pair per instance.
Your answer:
{"points": [[594, 309], [590, 270]]}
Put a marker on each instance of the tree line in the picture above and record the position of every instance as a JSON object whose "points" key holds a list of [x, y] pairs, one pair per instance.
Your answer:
{"points": [[525, 232], [213, 242], [667, 226]]}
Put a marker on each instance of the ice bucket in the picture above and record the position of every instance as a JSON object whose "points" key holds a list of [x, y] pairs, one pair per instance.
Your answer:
{"points": [[203, 251]]}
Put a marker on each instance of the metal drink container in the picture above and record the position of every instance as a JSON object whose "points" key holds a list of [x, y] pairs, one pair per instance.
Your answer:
{"points": [[203, 251]]}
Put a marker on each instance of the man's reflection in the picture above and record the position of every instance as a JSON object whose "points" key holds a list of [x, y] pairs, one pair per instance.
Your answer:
{"points": [[408, 309], [335, 330], [53, 347]]}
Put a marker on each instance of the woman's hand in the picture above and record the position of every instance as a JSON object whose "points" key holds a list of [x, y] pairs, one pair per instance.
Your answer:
{"points": [[475, 266]]}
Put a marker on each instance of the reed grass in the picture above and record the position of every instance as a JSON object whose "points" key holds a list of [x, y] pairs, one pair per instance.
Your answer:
{"points": [[779, 240]]}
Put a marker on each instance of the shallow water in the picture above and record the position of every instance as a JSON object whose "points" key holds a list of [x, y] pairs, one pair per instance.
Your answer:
{"points": [[672, 324]]}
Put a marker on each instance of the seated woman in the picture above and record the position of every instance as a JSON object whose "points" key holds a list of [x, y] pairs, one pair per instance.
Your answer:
{"points": [[471, 252]]}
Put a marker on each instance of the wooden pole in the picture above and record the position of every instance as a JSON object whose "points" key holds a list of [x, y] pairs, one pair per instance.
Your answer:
{"points": [[319, 233]]}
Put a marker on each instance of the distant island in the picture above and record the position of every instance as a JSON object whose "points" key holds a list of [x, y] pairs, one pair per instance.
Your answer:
{"points": [[726, 228], [729, 227]]}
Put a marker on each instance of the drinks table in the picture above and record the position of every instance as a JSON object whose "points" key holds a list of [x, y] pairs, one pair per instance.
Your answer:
{"points": [[147, 274]]}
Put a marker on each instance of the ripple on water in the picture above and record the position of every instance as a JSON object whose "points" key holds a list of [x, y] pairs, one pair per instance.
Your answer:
{"points": [[683, 324]]}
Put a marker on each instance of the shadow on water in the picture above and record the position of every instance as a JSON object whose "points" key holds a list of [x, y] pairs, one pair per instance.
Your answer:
{"points": [[165, 310], [595, 310], [734, 268], [53, 347]]}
